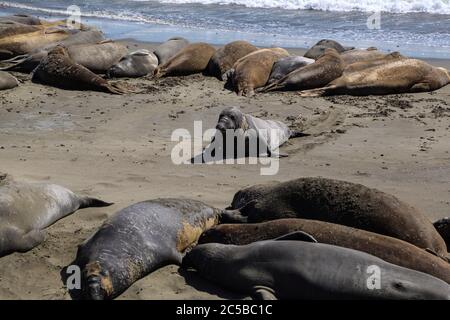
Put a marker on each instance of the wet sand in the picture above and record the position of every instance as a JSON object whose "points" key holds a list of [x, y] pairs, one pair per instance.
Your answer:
{"points": [[119, 148]]}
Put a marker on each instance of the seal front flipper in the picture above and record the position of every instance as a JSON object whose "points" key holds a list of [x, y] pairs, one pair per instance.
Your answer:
{"points": [[297, 236], [264, 293], [15, 240]]}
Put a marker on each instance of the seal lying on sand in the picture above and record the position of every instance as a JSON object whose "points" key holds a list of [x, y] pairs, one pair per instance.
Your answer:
{"points": [[26, 209], [327, 68], [23, 19], [397, 76], [193, 58], [253, 70], [165, 51], [284, 66], [7, 81], [307, 270], [443, 227], [137, 64], [358, 55], [225, 57], [340, 202], [268, 136], [366, 64], [319, 48], [390, 249], [12, 29], [59, 70], [138, 240], [98, 58]]}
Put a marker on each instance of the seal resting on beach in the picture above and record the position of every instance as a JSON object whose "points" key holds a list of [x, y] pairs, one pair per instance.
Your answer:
{"points": [[253, 70], [358, 55], [138, 240], [23, 19], [390, 249], [59, 70], [284, 66], [193, 58], [340, 202], [319, 48], [7, 81], [365, 64], [165, 51], [26, 209], [137, 64], [300, 268], [225, 57], [98, 58], [397, 76], [11, 29], [325, 69]]}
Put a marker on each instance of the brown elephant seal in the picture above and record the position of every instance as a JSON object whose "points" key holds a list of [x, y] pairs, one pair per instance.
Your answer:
{"points": [[225, 57], [366, 64], [59, 70], [397, 76], [7, 81], [325, 69], [253, 70], [358, 55], [12, 29], [319, 48], [137, 64], [26, 209], [443, 227], [165, 51], [138, 240], [23, 19], [98, 58], [390, 249], [284, 66], [193, 58], [341, 202], [301, 268]]}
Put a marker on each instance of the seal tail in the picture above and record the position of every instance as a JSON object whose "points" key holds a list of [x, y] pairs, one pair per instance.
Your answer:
{"points": [[159, 73], [298, 134], [12, 64], [319, 92], [88, 202], [117, 88], [271, 87]]}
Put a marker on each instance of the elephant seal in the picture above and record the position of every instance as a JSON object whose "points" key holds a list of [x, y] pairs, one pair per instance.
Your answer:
{"points": [[319, 48], [59, 70], [297, 269], [26, 209], [164, 52], [193, 58], [253, 70], [397, 76], [366, 64], [268, 136], [392, 250], [284, 66], [23, 19], [7, 81], [443, 227], [138, 240], [325, 69], [137, 64], [12, 29], [225, 57], [340, 202], [358, 55], [98, 58]]}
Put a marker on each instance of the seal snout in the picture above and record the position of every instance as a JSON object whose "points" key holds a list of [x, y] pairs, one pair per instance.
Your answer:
{"points": [[94, 288]]}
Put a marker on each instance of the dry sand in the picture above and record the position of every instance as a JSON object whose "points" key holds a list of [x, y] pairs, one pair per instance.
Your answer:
{"points": [[118, 148]]}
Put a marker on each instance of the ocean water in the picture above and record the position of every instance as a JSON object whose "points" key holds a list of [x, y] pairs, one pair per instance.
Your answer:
{"points": [[415, 27]]}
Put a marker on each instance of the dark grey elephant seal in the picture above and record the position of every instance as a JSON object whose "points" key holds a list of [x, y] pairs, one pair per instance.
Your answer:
{"points": [[325, 69], [306, 270], [7, 81], [267, 136], [443, 227], [319, 48], [138, 240], [225, 57], [390, 249], [284, 66], [137, 64], [59, 70], [340, 202], [164, 52], [26, 209]]}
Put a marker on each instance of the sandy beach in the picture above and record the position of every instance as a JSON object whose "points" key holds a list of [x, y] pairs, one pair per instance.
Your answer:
{"points": [[119, 148]]}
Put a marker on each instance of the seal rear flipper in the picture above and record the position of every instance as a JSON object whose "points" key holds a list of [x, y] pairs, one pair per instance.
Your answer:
{"points": [[297, 236], [264, 293], [88, 202], [116, 88], [271, 87], [319, 92], [298, 134]]}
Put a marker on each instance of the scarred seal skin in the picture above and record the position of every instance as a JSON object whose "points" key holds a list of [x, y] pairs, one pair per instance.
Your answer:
{"points": [[339, 202], [138, 240], [392, 250], [297, 269]]}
